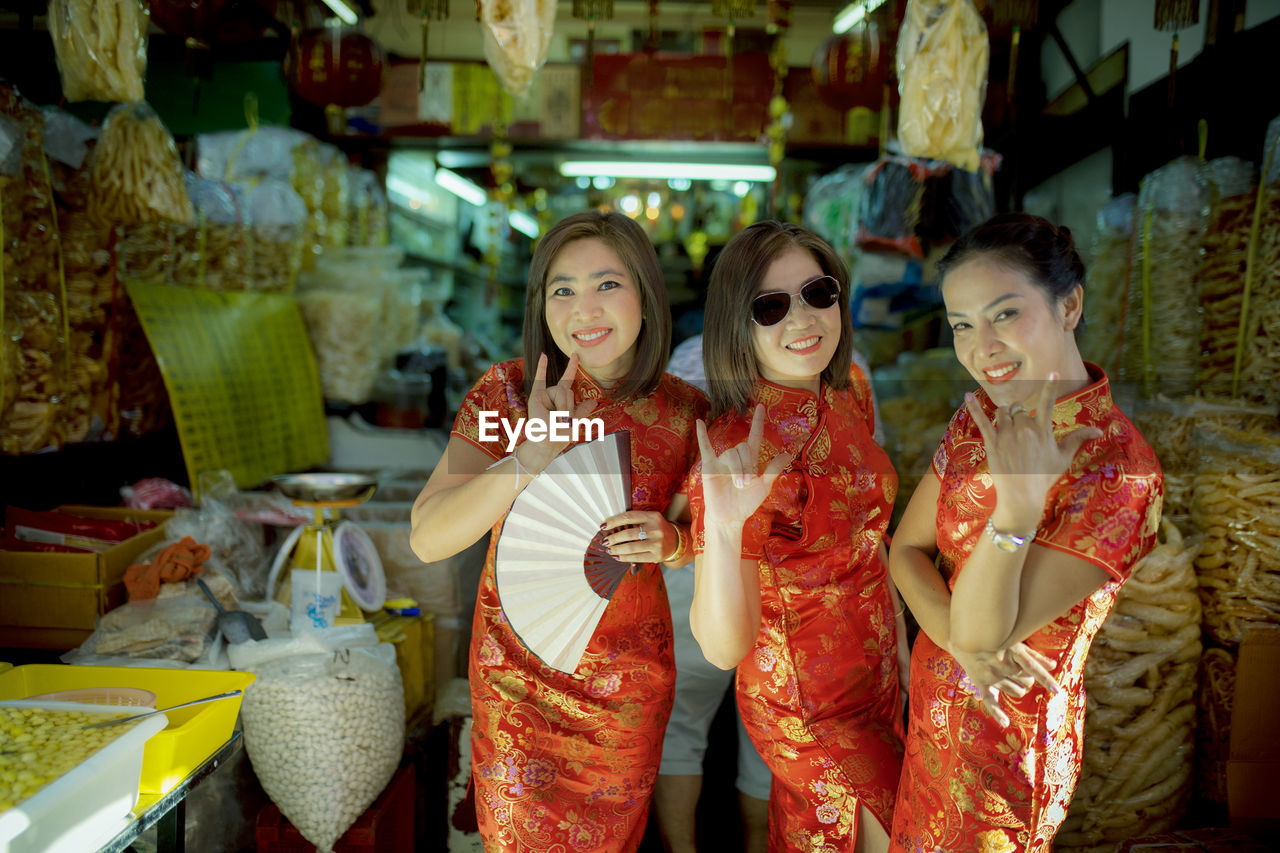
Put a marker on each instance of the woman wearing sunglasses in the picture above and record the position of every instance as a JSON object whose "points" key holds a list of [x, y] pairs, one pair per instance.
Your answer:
{"points": [[790, 504], [1041, 499]]}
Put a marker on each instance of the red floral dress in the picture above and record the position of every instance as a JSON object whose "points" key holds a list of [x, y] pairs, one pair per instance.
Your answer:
{"points": [[819, 690], [567, 761], [967, 784]]}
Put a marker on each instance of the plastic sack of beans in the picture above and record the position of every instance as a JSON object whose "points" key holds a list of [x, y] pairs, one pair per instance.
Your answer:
{"points": [[1236, 503], [1140, 679], [325, 733], [1162, 325]]}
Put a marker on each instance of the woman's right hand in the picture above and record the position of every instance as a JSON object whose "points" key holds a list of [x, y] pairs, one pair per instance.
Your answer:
{"points": [[536, 455], [733, 486]]}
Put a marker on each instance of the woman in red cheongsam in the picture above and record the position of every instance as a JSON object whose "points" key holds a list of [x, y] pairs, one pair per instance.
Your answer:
{"points": [[1042, 498], [567, 761], [790, 577]]}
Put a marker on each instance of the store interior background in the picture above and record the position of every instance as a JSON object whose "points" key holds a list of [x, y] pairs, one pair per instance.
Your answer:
{"points": [[1064, 153]]}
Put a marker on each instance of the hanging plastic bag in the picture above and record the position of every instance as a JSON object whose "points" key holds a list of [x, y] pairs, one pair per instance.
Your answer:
{"points": [[101, 46], [942, 74], [1107, 284], [325, 733], [517, 36], [135, 175]]}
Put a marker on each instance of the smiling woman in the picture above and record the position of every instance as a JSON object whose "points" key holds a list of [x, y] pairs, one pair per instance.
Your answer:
{"points": [[596, 334]]}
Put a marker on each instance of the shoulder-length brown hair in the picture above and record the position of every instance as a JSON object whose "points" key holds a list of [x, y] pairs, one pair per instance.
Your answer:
{"points": [[634, 249], [728, 354]]}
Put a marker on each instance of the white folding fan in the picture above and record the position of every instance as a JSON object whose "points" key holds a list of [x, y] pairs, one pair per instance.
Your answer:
{"points": [[553, 572]]}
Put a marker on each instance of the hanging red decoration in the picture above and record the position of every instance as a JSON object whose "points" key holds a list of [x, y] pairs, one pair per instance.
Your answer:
{"points": [[851, 68], [335, 66]]}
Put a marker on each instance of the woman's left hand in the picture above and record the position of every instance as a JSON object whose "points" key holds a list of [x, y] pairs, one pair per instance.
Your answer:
{"points": [[1024, 457], [640, 536], [1012, 671]]}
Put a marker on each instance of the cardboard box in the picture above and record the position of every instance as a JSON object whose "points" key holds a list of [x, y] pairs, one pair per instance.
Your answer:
{"points": [[1254, 764], [52, 601]]}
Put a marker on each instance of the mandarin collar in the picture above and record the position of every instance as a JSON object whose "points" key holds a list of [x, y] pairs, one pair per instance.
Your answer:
{"points": [[775, 396], [1094, 397]]}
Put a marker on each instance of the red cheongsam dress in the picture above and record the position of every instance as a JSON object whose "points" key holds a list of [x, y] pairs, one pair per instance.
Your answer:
{"points": [[819, 691], [969, 786], [566, 762]]}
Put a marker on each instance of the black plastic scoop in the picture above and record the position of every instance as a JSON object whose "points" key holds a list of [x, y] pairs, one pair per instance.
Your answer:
{"points": [[236, 625]]}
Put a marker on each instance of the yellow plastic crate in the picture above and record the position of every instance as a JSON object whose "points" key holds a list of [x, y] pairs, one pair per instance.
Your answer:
{"points": [[193, 734]]}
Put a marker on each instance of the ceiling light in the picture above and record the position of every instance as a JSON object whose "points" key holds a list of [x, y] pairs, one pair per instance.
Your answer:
{"points": [[464, 189], [691, 171], [851, 15], [524, 223], [343, 11]]}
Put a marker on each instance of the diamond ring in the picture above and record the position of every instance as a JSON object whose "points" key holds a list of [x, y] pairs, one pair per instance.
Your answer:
{"points": [[642, 535]]}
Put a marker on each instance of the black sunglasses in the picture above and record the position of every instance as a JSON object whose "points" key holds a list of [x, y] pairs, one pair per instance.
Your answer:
{"points": [[770, 309]]}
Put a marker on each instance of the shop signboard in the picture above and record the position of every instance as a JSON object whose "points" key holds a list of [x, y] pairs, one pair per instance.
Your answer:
{"points": [[678, 97]]}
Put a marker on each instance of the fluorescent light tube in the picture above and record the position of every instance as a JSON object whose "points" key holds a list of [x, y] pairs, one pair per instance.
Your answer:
{"points": [[524, 223], [668, 171], [343, 11], [466, 190], [852, 15]]}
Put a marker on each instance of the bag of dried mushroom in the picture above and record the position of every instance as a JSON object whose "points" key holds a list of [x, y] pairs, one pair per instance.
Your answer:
{"points": [[1140, 680]]}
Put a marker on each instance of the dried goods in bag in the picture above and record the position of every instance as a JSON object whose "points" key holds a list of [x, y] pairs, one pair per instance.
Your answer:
{"points": [[135, 174], [101, 46], [517, 36]]}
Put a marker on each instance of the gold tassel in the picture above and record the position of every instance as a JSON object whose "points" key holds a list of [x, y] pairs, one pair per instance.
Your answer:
{"points": [[1177, 14]]}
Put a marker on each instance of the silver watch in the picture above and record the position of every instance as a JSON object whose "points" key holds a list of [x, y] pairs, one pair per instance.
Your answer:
{"points": [[1010, 543]]}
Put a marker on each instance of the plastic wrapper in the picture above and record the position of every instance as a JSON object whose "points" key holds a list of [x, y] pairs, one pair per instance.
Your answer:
{"points": [[236, 544], [959, 200], [276, 236], [1161, 326], [1236, 502], [942, 74], [325, 732], [347, 304], [335, 196], [1169, 425], [890, 208], [135, 174], [367, 223], [179, 625], [101, 46], [832, 205], [210, 253], [1260, 368], [34, 419], [517, 36], [1224, 247], [1140, 679], [1107, 284]]}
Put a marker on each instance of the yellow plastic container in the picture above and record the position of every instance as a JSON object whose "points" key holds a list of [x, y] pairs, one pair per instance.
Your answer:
{"points": [[193, 734]]}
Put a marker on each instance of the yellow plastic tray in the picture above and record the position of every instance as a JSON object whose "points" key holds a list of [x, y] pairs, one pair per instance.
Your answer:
{"points": [[193, 734]]}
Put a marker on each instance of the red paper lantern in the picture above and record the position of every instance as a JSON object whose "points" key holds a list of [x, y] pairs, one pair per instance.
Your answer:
{"points": [[851, 68], [335, 66]]}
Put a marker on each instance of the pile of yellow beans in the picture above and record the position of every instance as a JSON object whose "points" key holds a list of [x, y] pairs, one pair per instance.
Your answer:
{"points": [[39, 745]]}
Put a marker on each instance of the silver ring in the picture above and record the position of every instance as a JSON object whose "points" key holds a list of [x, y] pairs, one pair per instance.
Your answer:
{"points": [[642, 535], [1017, 409]]}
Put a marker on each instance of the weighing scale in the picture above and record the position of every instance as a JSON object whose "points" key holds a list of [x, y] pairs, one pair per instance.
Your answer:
{"points": [[326, 545]]}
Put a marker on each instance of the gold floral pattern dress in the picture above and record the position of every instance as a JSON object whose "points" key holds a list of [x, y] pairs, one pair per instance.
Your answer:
{"points": [[566, 762], [819, 691], [969, 786]]}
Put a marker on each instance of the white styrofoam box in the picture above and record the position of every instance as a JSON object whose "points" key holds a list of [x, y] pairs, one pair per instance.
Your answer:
{"points": [[90, 804]]}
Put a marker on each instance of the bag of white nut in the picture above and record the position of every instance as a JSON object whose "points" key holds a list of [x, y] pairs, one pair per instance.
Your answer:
{"points": [[325, 733]]}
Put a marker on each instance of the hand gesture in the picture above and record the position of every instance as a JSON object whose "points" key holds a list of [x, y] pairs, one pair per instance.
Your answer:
{"points": [[733, 486], [640, 536], [1010, 671], [544, 401], [1024, 458]]}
